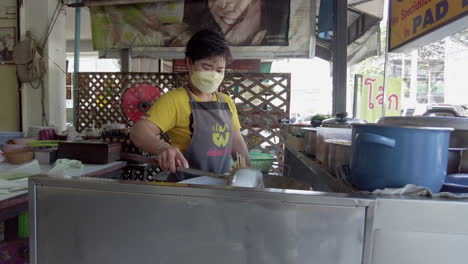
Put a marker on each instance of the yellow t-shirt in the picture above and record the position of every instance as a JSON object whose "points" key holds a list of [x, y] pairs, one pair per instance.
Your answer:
{"points": [[171, 113]]}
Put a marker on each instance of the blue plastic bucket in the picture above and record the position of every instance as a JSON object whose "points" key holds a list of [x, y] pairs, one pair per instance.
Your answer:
{"points": [[386, 156]]}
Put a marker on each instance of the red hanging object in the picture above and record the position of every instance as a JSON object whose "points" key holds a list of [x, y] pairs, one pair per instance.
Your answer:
{"points": [[138, 99]]}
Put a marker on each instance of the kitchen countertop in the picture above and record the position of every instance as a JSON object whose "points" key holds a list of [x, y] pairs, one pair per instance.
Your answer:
{"points": [[310, 171], [416, 227], [15, 203], [89, 170]]}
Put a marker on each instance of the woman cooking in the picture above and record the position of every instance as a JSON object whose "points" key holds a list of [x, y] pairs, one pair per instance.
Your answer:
{"points": [[202, 123]]}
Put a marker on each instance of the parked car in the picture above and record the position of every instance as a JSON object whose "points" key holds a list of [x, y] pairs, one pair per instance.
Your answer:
{"points": [[446, 110], [417, 110]]}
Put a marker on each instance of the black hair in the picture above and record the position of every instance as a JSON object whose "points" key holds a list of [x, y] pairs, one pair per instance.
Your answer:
{"points": [[207, 43]]}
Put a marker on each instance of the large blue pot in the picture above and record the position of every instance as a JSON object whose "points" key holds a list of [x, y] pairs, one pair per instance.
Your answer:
{"points": [[386, 156]]}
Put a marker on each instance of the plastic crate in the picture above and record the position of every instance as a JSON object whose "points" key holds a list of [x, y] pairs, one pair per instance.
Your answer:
{"points": [[14, 252]]}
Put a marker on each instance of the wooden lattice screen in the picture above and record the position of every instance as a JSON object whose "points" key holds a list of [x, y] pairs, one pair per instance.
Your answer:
{"points": [[261, 100]]}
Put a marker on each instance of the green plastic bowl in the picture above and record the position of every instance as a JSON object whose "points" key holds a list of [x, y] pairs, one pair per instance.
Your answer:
{"points": [[261, 161]]}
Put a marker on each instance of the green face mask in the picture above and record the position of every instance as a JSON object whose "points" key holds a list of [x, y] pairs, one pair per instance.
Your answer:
{"points": [[207, 81]]}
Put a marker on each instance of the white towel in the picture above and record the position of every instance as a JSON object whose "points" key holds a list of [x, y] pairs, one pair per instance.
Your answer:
{"points": [[13, 186], [17, 179], [414, 190], [66, 167]]}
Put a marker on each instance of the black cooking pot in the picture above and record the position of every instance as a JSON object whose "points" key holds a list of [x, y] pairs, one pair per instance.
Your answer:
{"points": [[342, 121]]}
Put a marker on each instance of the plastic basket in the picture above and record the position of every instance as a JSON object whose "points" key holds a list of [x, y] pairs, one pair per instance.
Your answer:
{"points": [[261, 161]]}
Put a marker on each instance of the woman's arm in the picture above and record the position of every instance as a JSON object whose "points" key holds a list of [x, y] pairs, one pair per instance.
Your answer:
{"points": [[146, 136]]}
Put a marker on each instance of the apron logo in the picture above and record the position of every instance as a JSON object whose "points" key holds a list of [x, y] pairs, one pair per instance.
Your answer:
{"points": [[220, 136]]}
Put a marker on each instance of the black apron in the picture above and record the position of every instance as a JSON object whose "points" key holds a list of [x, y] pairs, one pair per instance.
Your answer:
{"points": [[211, 144]]}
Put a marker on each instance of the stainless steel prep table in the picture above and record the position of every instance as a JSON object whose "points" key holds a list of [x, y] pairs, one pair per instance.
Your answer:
{"points": [[81, 220], [104, 221]]}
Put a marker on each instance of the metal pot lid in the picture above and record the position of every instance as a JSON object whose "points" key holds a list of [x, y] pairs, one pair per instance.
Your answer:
{"points": [[458, 149], [309, 128], [299, 125], [341, 120], [409, 127], [341, 142], [458, 123]]}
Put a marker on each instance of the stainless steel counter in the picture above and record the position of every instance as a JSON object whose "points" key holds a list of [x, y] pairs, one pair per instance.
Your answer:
{"points": [[82, 220], [400, 229], [96, 221]]}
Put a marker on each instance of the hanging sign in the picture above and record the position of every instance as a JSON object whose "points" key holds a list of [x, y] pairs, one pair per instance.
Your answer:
{"points": [[372, 99], [116, 2], [255, 28], [172, 23], [413, 19]]}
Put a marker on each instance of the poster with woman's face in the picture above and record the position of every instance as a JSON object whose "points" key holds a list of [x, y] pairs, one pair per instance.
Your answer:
{"points": [[252, 22], [240, 21], [244, 23]]}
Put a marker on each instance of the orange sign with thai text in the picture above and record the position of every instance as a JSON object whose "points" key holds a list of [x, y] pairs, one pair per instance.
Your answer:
{"points": [[411, 19]]}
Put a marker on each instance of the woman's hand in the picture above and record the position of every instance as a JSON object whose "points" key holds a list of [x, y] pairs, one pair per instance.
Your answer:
{"points": [[239, 147], [170, 158]]}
